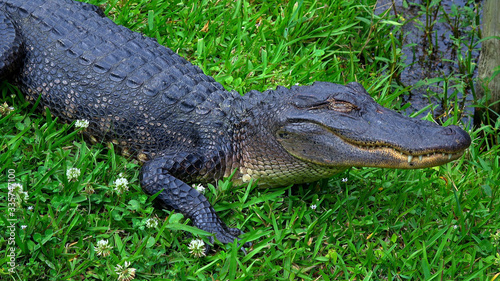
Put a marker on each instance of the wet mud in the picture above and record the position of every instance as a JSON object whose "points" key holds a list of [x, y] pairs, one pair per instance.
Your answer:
{"points": [[431, 53]]}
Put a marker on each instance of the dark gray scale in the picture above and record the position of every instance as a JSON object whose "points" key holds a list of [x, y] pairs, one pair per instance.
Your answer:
{"points": [[10, 49]]}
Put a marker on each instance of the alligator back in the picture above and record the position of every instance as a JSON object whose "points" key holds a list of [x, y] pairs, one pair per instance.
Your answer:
{"points": [[133, 91]]}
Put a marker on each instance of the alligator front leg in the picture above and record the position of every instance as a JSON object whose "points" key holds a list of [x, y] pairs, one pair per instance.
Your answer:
{"points": [[156, 175]]}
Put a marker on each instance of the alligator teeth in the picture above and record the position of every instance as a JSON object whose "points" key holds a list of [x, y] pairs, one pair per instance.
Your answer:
{"points": [[410, 157], [420, 157], [449, 156]]}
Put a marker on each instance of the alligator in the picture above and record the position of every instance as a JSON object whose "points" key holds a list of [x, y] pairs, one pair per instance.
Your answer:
{"points": [[185, 127]]}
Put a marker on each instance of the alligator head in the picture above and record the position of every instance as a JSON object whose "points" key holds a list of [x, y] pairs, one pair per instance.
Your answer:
{"points": [[334, 127]]}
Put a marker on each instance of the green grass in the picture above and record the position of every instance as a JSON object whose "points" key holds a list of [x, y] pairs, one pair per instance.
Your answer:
{"points": [[440, 223]]}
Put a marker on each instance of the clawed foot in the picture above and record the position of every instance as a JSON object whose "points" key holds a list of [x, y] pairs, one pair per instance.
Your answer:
{"points": [[226, 235], [235, 233]]}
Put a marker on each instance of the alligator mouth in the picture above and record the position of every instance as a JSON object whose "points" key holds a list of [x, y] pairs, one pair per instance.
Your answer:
{"points": [[324, 146], [405, 158]]}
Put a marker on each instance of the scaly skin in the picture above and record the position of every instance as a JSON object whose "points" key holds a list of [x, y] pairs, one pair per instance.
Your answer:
{"points": [[186, 127]]}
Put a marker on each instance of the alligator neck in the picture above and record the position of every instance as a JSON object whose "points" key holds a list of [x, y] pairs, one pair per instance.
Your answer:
{"points": [[258, 155]]}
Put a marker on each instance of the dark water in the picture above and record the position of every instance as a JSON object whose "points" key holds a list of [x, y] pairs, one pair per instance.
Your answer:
{"points": [[434, 56]]}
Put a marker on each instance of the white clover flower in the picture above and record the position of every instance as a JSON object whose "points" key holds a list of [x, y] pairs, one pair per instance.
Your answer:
{"points": [[345, 179], [103, 248], [82, 123], [151, 223], [18, 190], [16, 187], [124, 272], [121, 185], [200, 188], [313, 207], [5, 109], [23, 226], [73, 173], [30, 208], [197, 248]]}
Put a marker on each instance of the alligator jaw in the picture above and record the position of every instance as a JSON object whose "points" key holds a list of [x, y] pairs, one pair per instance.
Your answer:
{"points": [[320, 145], [396, 158]]}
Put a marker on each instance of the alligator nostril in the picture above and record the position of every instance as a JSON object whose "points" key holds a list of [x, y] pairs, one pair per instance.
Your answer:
{"points": [[448, 131]]}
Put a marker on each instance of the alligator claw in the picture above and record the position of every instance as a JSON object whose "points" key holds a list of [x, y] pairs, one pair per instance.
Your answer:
{"points": [[226, 235], [237, 232]]}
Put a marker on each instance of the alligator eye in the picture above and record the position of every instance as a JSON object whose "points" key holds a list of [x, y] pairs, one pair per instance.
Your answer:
{"points": [[341, 106]]}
